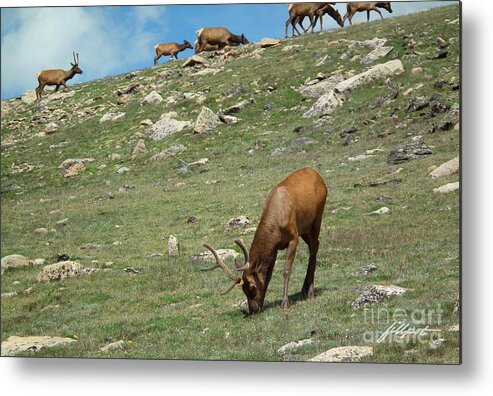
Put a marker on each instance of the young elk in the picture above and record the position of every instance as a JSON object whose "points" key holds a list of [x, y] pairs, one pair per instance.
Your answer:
{"points": [[219, 36], [352, 8], [314, 11], [292, 209], [327, 9], [170, 49], [57, 77]]}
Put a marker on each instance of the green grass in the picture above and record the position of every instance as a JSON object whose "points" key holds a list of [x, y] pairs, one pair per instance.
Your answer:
{"points": [[172, 310]]}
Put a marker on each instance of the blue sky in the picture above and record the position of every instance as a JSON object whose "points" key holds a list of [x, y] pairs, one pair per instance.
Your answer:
{"points": [[116, 39]]}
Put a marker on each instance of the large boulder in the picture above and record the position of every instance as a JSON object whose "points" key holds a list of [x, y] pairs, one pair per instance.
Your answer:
{"points": [[166, 126], [152, 98], [446, 169], [447, 188], [345, 354], [391, 68], [206, 121], [325, 104], [62, 270], [377, 293], [376, 54], [320, 86], [14, 261], [111, 117], [14, 344], [407, 152]]}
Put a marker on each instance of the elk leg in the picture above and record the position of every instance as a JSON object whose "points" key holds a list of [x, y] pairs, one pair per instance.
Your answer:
{"points": [[287, 270], [367, 15], [311, 239], [156, 59], [39, 90], [377, 10]]}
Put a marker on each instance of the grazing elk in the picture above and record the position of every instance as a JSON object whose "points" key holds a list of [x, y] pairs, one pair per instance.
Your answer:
{"points": [[57, 77], [207, 47], [352, 8], [314, 11], [292, 209], [170, 49], [219, 36]]}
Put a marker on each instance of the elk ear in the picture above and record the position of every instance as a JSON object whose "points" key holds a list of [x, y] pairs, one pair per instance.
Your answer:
{"points": [[72, 64]]}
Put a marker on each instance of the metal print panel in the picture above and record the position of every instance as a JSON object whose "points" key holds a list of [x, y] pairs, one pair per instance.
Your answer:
{"points": [[265, 182]]}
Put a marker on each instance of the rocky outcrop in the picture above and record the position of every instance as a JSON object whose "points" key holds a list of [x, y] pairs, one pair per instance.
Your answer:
{"points": [[14, 344], [346, 354]]}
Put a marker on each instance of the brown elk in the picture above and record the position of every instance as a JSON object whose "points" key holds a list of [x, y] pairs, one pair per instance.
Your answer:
{"points": [[314, 11], [292, 209], [207, 47], [57, 77], [170, 49], [219, 36], [352, 8]]}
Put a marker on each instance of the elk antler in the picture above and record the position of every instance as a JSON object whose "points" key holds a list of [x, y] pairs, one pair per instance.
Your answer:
{"points": [[220, 264], [75, 60], [239, 242]]}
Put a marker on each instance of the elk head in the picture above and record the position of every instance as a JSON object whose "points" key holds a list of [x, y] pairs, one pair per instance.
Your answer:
{"points": [[75, 65], [187, 44], [251, 284], [385, 5], [244, 40]]}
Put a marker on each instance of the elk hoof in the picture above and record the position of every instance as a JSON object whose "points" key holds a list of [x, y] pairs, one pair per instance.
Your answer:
{"points": [[285, 304], [308, 294]]}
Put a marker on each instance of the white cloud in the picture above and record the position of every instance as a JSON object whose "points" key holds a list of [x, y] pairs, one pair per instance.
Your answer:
{"points": [[34, 39]]}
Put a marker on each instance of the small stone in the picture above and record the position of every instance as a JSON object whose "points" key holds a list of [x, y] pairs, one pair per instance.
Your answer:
{"points": [[152, 98], [344, 354], [200, 162], [114, 346], [38, 261], [359, 158], [62, 270], [237, 222], [173, 246], [447, 188], [381, 211], [416, 71], [28, 291], [376, 294], [146, 123], [293, 346], [75, 169], [116, 157], [51, 128], [42, 231], [122, 170], [224, 254], [63, 222], [111, 117], [140, 149]]}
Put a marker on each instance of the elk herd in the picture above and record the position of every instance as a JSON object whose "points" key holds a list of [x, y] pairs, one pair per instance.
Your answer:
{"points": [[216, 38], [294, 207]]}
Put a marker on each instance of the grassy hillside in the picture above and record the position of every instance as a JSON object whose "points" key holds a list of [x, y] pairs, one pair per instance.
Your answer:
{"points": [[171, 310]]}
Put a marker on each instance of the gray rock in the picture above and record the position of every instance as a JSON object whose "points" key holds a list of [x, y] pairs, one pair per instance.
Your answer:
{"points": [[376, 54], [238, 222], [238, 106], [169, 152], [195, 60], [293, 346], [318, 87], [14, 344], [114, 346], [224, 254], [377, 293], [51, 128], [166, 126], [228, 120], [206, 121], [173, 246], [373, 43], [407, 152], [391, 68], [62, 270], [74, 169], [152, 98], [325, 105], [14, 261], [140, 149], [28, 97], [359, 158], [111, 117], [446, 169], [364, 271], [71, 161], [345, 354], [122, 170], [447, 188], [302, 141], [381, 211], [269, 42]]}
